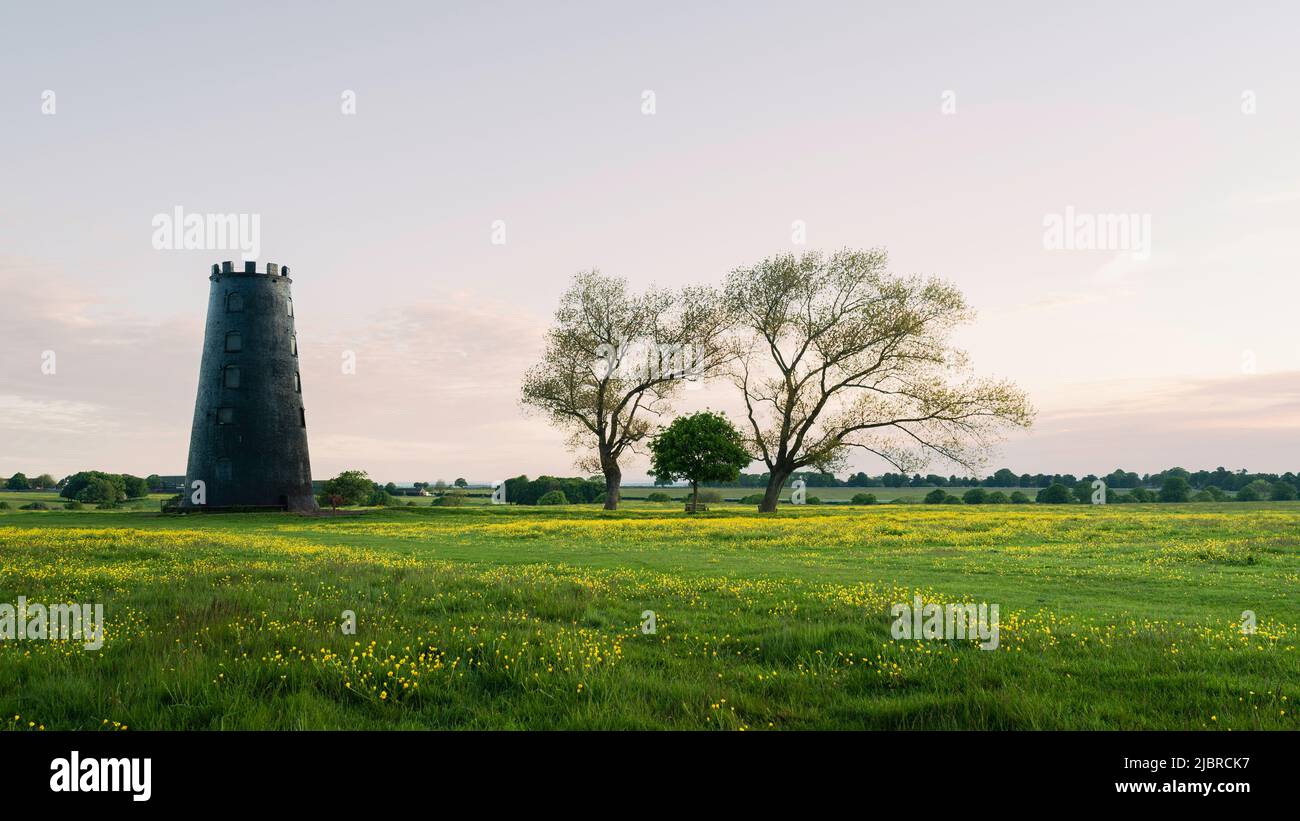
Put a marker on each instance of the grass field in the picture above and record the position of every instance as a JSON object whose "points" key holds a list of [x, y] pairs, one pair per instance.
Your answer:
{"points": [[501, 617]]}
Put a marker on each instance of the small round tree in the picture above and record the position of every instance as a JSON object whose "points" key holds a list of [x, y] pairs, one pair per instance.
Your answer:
{"points": [[702, 447]]}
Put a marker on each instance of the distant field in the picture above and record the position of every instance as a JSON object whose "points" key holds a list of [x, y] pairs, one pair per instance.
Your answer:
{"points": [[826, 494], [1117, 617], [18, 498]]}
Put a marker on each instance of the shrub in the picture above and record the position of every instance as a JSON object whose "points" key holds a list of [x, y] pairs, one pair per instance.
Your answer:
{"points": [[1018, 498], [997, 497], [952, 500], [95, 487], [1215, 493], [450, 499], [936, 496], [1282, 492], [658, 496], [73, 505], [108, 505], [35, 506], [553, 497], [862, 498], [1202, 496], [351, 487], [1057, 494], [752, 499], [1255, 491], [1141, 494], [975, 496], [4, 505], [812, 500]]}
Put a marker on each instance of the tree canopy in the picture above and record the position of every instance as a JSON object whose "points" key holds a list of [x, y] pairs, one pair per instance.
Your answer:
{"points": [[839, 353], [614, 359]]}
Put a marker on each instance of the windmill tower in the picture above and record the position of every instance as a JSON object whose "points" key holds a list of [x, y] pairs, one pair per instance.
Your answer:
{"points": [[248, 445]]}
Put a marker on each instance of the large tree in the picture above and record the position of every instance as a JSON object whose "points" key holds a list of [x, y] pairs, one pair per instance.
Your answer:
{"points": [[616, 359], [840, 354]]}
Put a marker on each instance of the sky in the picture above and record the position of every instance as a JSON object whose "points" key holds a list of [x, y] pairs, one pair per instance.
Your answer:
{"points": [[385, 146]]}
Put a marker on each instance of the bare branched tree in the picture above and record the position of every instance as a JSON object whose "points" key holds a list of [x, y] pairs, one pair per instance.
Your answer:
{"points": [[614, 360], [842, 354]]}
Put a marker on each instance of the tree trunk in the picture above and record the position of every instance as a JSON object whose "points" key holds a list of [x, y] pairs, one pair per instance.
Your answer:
{"points": [[775, 481], [613, 481], [695, 497]]}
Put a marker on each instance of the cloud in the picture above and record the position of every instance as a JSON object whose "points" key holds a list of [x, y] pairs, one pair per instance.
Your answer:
{"points": [[1248, 421], [87, 382]]}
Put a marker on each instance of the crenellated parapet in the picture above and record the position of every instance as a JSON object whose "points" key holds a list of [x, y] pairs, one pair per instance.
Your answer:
{"points": [[249, 269]]}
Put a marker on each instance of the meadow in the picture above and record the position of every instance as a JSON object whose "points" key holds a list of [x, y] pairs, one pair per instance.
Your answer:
{"points": [[1114, 617]]}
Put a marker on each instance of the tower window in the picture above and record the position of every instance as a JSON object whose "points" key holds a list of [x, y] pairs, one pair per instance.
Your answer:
{"points": [[232, 376], [234, 342], [234, 303], [289, 305], [225, 416], [302, 417], [297, 382], [224, 470], [293, 344]]}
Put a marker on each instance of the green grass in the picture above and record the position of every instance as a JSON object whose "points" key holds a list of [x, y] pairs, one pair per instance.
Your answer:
{"points": [[17, 498], [1119, 617]]}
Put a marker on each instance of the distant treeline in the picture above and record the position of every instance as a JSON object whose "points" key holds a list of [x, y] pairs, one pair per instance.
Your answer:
{"points": [[1220, 478], [553, 490]]}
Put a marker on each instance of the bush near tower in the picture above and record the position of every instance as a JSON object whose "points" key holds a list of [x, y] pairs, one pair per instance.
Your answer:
{"points": [[351, 487]]}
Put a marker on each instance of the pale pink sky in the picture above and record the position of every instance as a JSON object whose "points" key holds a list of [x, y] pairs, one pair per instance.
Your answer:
{"points": [[531, 114]]}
